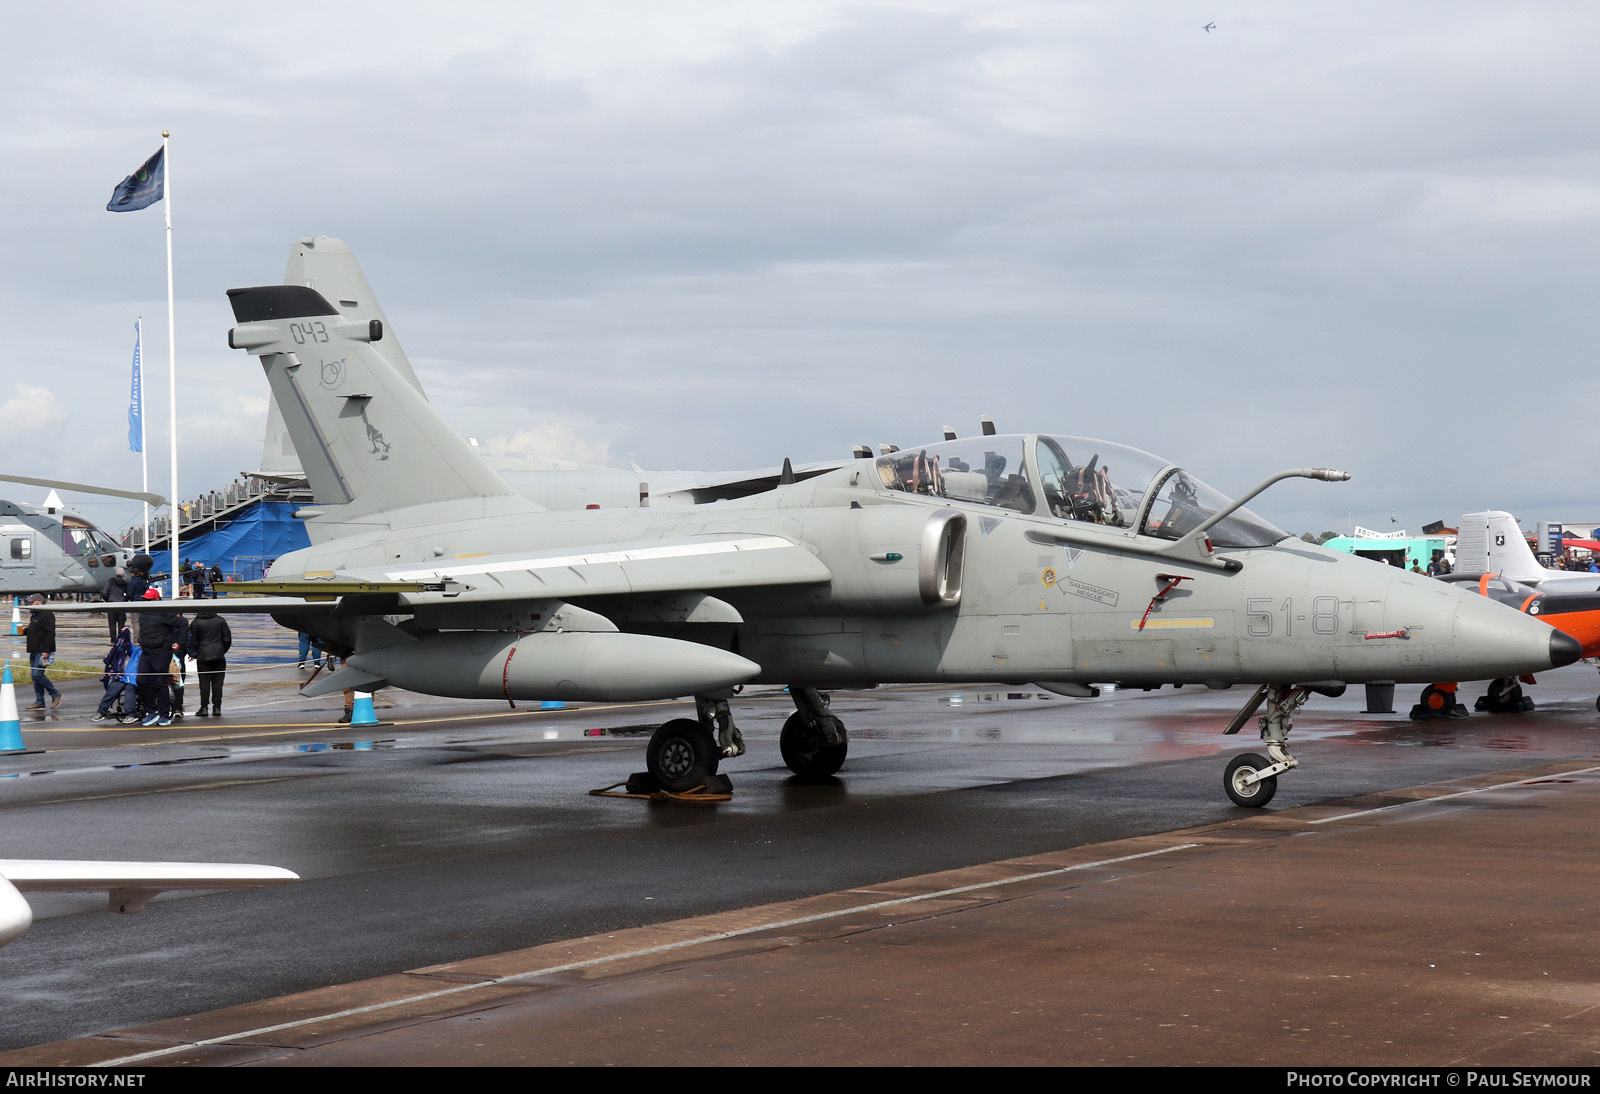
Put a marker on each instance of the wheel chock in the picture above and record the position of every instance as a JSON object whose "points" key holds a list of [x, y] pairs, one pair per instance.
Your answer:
{"points": [[642, 786], [1420, 713]]}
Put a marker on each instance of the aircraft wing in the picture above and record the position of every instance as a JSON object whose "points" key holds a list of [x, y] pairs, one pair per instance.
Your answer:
{"points": [[127, 884], [693, 563], [224, 606], [36, 875]]}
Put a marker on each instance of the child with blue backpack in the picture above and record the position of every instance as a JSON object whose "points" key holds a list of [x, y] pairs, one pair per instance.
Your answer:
{"points": [[121, 677]]}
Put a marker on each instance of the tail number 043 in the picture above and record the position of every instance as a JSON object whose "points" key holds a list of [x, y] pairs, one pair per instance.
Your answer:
{"points": [[308, 332]]}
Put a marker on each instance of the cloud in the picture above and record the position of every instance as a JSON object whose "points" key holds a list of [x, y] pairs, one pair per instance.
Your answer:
{"points": [[713, 235], [551, 441], [33, 412]]}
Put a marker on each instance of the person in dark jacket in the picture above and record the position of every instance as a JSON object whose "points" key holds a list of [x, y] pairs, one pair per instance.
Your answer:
{"points": [[216, 579], [138, 584], [209, 641], [41, 632], [139, 567], [116, 592], [158, 636]]}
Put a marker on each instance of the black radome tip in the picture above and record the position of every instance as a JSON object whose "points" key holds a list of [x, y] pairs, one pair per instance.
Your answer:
{"points": [[1564, 649]]}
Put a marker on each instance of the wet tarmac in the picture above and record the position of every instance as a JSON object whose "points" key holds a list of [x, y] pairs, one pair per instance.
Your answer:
{"points": [[465, 829]]}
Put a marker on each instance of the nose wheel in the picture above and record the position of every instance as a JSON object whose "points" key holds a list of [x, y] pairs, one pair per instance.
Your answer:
{"points": [[1252, 779], [1245, 784], [1504, 697]]}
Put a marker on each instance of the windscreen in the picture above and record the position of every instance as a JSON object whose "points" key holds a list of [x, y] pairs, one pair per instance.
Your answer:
{"points": [[1182, 503]]}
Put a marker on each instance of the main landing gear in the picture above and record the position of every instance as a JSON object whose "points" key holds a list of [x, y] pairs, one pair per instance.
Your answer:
{"points": [[1438, 701], [1503, 697], [813, 742], [1252, 779], [684, 753]]}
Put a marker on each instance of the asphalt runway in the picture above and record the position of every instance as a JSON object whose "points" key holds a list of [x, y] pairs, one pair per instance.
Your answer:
{"points": [[466, 828]]}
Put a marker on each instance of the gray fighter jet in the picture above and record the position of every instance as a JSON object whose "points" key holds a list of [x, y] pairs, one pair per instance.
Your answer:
{"points": [[1057, 560]]}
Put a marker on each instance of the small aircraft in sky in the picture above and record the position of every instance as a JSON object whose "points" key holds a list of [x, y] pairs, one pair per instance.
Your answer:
{"points": [[1044, 558], [47, 549], [1209, 27]]}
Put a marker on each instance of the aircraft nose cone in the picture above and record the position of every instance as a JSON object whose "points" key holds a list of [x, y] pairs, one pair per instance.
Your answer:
{"points": [[1564, 649]]}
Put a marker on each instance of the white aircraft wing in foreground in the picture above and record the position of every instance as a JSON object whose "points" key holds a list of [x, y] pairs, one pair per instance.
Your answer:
{"points": [[128, 884]]}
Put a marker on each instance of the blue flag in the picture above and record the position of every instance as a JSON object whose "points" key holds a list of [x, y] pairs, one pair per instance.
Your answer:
{"points": [[141, 189], [136, 401]]}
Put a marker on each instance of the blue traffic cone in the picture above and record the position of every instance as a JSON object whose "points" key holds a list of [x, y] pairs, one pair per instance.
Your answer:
{"points": [[16, 615], [361, 712], [10, 724]]}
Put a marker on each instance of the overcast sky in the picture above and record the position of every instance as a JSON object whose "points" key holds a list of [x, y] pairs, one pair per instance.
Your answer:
{"points": [[701, 235]]}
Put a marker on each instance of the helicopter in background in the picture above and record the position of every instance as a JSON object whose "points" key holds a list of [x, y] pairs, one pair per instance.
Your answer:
{"points": [[48, 549]]}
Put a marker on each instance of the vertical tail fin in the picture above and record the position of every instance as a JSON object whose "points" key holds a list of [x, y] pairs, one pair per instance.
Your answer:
{"points": [[374, 450], [330, 267], [1491, 543]]}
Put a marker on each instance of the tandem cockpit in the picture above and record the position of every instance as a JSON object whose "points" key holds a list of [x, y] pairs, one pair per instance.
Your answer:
{"points": [[1074, 479]]}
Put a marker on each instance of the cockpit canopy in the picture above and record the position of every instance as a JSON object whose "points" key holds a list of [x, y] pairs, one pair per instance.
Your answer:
{"points": [[1073, 478]]}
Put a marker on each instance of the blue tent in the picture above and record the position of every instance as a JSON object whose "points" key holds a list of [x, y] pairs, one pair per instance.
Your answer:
{"points": [[244, 545]]}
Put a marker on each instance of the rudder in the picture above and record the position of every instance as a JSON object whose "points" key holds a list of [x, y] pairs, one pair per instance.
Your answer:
{"points": [[369, 441], [1491, 543]]}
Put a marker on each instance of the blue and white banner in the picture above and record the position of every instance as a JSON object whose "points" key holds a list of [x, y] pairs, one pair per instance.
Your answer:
{"points": [[136, 401], [141, 189]]}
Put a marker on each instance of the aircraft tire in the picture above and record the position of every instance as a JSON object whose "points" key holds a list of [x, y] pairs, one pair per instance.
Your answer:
{"points": [[1504, 697], [805, 752], [681, 754], [1256, 795]]}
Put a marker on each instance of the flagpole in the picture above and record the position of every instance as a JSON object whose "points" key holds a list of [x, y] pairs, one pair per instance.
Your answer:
{"points": [[172, 364], [144, 455]]}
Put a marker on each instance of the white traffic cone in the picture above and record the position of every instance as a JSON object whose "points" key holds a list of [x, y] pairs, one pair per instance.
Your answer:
{"points": [[16, 615], [10, 724]]}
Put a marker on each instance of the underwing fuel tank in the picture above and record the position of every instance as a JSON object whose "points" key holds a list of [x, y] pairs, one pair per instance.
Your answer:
{"points": [[608, 666]]}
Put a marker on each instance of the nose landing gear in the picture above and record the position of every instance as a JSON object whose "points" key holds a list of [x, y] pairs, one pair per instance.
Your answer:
{"points": [[1251, 779], [1504, 697]]}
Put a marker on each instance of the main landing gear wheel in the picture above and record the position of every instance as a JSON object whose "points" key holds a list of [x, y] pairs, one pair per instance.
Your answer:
{"points": [[1256, 794], [806, 752], [681, 754], [1437, 703]]}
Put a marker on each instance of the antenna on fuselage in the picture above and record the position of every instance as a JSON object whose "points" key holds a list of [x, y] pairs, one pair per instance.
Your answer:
{"points": [[988, 425], [949, 433]]}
